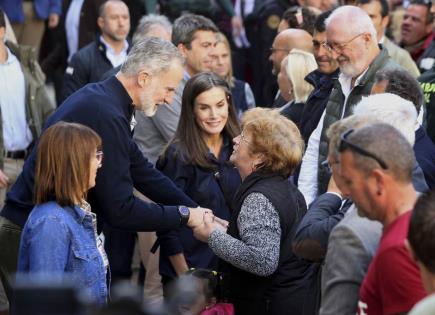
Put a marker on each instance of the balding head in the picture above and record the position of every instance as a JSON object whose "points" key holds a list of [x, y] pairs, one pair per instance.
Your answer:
{"points": [[287, 40], [114, 21], [351, 37], [353, 21]]}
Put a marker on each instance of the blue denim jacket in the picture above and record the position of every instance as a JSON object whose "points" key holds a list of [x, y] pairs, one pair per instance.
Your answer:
{"points": [[61, 240]]}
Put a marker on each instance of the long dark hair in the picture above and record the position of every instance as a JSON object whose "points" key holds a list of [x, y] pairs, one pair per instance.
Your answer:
{"points": [[192, 145]]}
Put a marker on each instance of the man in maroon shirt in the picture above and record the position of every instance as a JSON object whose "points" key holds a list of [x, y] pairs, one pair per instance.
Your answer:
{"points": [[417, 28], [377, 172]]}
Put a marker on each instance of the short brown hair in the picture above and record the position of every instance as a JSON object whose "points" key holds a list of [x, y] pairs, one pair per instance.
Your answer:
{"points": [[279, 141], [63, 163], [258, 112]]}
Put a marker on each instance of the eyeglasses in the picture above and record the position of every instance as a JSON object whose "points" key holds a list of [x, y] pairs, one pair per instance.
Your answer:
{"points": [[274, 50], [338, 48], [328, 166], [345, 144], [99, 155], [242, 137], [317, 44]]}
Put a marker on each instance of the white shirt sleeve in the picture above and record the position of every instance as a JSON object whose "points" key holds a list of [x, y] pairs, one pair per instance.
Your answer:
{"points": [[307, 182]]}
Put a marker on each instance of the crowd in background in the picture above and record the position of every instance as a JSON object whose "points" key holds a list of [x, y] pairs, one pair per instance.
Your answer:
{"points": [[228, 156]]}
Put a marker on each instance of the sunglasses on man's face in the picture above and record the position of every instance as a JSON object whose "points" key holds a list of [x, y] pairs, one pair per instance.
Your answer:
{"points": [[345, 144]]}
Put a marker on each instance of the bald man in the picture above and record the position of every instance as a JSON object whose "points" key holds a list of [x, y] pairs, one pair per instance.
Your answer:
{"points": [[108, 51], [352, 41], [283, 43]]}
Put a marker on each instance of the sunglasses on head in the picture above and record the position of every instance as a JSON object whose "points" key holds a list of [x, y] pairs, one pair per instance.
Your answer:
{"points": [[345, 144]]}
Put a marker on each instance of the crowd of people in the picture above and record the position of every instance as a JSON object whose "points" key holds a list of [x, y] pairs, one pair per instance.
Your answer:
{"points": [[251, 157]]}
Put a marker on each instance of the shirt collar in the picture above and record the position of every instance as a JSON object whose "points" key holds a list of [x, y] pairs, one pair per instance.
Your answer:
{"points": [[109, 48], [11, 58], [346, 80], [186, 75]]}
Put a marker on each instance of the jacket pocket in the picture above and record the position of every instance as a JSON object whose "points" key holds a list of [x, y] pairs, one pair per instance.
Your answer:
{"points": [[86, 265]]}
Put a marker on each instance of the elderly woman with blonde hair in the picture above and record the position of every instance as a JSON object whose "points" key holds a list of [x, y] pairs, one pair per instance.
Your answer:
{"points": [[243, 97], [292, 85], [265, 277]]}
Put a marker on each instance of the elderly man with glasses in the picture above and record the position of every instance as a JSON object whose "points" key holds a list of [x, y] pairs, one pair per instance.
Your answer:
{"points": [[352, 41], [377, 172]]}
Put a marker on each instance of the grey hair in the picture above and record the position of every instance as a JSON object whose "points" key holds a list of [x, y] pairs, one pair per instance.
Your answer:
{"points": [[356, 20], [335, 131], [390, 109], [151, 53], [149, 21], [388, 144]]}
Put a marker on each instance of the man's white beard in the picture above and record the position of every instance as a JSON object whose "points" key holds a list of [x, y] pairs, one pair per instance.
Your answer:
{"points": [[147, 105]]}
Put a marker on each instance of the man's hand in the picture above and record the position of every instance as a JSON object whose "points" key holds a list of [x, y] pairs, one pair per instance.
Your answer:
{"points": [[210, 224], [197, 216], [3, 180], [53, 20]]}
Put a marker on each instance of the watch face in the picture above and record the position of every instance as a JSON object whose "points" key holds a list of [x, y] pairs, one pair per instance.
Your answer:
{"points": [[183, 210]]}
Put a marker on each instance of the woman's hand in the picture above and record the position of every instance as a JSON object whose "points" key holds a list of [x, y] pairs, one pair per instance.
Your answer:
{"points": [[223, 223], [210, 223]]}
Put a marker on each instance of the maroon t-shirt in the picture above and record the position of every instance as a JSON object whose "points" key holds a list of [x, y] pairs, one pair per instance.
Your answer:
{"points": [[392, 284]]}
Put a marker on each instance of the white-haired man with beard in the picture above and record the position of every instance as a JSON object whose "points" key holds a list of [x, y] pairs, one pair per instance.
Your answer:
{"points": [[352, 41], [148, 78]]}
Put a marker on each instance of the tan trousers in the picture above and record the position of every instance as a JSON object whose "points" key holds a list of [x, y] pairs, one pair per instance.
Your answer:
{"points": [[153, 290], [29, 32], [12, 168]]}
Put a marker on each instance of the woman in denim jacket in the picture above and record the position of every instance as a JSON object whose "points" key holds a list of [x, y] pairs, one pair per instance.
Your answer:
{"points": [[60, 236]]}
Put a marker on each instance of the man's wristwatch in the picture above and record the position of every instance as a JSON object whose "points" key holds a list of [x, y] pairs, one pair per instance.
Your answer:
{"points": [[184, 213]]}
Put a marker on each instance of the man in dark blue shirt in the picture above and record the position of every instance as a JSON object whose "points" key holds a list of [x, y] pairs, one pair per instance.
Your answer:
{"points": [[148, 77]]}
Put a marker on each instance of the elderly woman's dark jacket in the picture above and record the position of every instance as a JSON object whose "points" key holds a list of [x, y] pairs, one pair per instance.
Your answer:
{"points": [[286, 291]]}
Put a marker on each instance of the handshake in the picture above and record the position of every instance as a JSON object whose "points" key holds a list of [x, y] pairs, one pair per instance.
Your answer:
{"points": [[203, 223]]}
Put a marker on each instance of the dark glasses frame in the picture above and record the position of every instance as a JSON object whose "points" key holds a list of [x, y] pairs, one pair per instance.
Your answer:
{"points": [[345, 144]]}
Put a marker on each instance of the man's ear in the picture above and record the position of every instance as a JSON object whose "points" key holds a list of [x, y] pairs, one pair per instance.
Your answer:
{"points": [[100, 22], [385, 21], [380, 181], [367, 38], [183, 49], [143, 78]]}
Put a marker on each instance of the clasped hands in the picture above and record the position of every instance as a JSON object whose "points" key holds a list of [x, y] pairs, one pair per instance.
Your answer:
{"points": [[203, 222]]}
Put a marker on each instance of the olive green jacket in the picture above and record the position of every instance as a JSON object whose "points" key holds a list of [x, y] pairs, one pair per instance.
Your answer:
{"points": [[38, 104], [334, 108]]}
